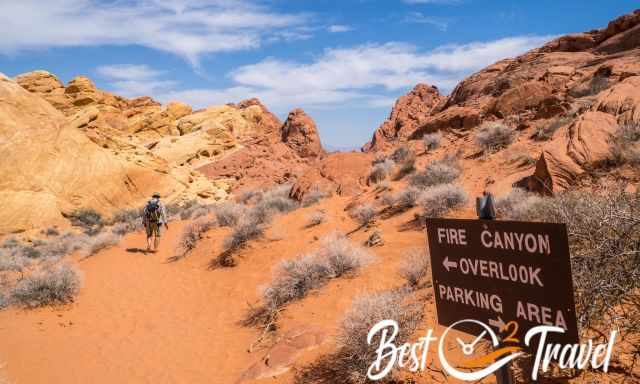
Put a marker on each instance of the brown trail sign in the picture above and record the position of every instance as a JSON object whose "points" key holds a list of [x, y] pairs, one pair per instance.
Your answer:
{"points": [[502, 271]]}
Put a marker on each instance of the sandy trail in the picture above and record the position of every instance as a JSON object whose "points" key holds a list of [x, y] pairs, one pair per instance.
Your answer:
{"points": [[139, 319]]}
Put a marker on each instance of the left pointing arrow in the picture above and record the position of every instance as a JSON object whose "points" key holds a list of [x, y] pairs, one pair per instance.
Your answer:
{"points": [[449, 264]]}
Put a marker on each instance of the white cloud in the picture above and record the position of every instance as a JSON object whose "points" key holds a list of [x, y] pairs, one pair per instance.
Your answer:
{"points": [[337, 28], [364, 76], [420, 18], [186, 28], [135, 80]]}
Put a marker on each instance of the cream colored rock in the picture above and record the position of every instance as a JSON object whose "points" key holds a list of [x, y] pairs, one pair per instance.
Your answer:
{"points": [[242, 123], [50, 167], [196, 148]]}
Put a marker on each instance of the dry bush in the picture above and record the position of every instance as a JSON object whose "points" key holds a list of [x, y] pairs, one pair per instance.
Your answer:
{"points": [[125, 221], [10, 242], [402, 154], [175, 209], [102, 241], [544, 130], [405, 199], [626, 144], [52, 232], [437, 201], [516, 204], [381, 171], [349, 364], [10, 261], [604, 239], [88, 219], [521, 158], [407, 167], [363, 214], [432, 140], [228, 214], [47, 286], [247, 229], [437, 172], [250, 196], [415, 267], [313, 196], [15, 255], [293, 279], [494, 136], [277, 203], [316, 218], [191, 234]]}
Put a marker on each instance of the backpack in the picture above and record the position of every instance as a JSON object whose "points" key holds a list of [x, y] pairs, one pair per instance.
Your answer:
{"points": [[152, 211]]}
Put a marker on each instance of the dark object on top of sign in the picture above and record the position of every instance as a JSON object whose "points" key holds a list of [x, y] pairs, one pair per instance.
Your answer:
{"points": [[485, 206], [501, 272]]}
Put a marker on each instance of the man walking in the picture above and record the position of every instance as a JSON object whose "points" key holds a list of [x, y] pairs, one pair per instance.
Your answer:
{"points": [[154, 216], [485, 206]]}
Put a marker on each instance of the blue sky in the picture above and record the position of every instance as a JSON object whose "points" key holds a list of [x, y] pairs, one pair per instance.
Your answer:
{"points": [[344, 62]]}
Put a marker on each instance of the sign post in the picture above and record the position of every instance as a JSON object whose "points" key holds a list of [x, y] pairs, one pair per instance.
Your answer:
{"points": [[506, 274]]}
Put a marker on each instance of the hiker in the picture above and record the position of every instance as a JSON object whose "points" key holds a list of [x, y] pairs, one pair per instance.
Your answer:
{"points": [[154, 215], [485, 206]]}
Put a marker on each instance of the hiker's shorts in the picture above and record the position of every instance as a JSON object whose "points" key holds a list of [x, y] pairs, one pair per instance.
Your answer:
{"points": [[153, 229]]}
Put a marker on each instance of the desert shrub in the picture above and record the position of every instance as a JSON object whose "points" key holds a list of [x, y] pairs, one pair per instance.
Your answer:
{"points": [[626, 144], [10, 242], [199, 212], [4, 302], [363, 214], [65, 244], [520, 158], [294, 279], [401, 154], [437, 201], [47, 286], [494, 136], [407, 167], [349, 364], [228, 214], [249, 196], [247, 229], [191, 234], [126, 221], [516, 204], [407, 198], [175, 209], [313, 196], [316, 218], [31, 252], [545, 131], [101, 241], [279, 204], [88, 219], [120, 229], [52, 232], [436, 172], [432, 140], [415, 267], [13, 261], [381, 171], [604, 239]]}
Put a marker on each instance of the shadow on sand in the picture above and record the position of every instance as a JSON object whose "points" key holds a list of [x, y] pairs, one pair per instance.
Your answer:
{"points": [[138, 250]]}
